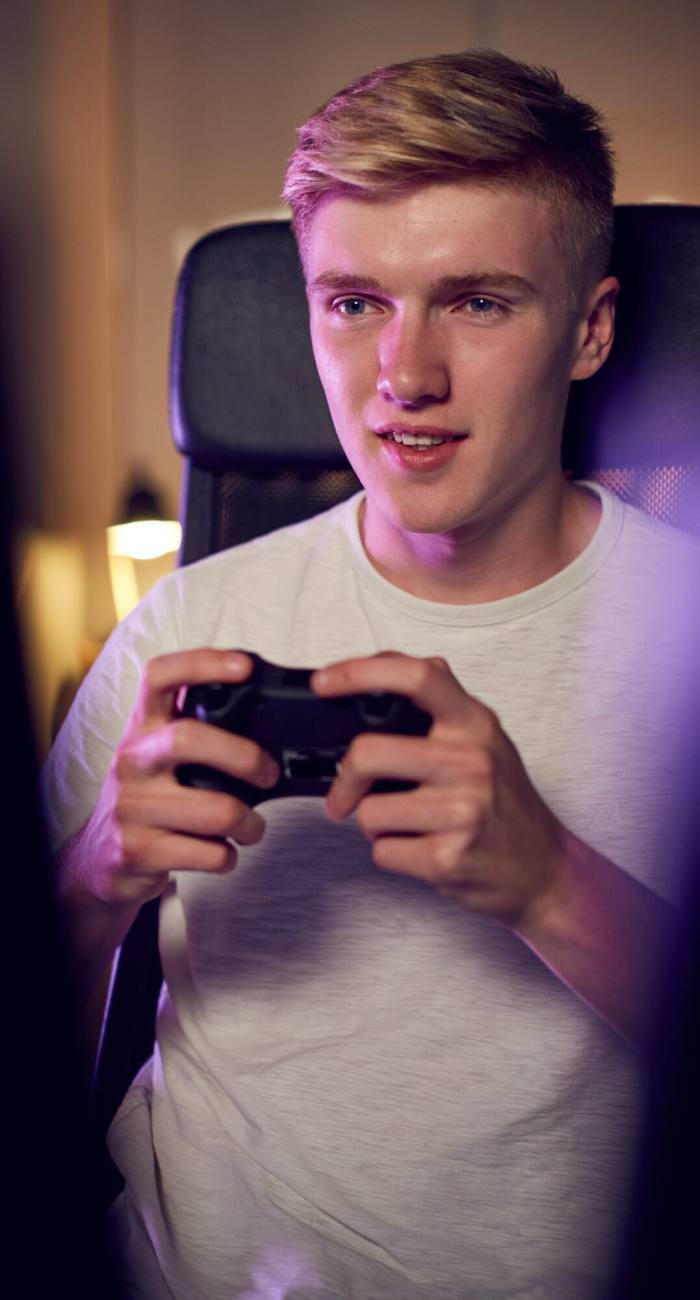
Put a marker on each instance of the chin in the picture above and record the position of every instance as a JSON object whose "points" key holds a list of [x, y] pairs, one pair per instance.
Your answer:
{"points": [[425, 516]]}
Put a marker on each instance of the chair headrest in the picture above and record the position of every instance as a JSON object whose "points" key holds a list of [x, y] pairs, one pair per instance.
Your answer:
{"points": [[243, 384]]}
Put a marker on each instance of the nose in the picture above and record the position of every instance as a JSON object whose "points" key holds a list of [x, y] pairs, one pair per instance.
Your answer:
{"points": [[412, 369]]}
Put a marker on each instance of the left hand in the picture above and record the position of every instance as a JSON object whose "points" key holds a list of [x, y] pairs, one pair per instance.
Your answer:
{"points": [[475, 828]]}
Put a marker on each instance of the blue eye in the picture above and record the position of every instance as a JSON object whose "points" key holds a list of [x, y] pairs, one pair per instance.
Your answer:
{"points": [[483, 308], [351, 307]]}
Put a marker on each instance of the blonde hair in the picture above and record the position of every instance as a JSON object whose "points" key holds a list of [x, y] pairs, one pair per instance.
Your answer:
{"points": [[471, 115]]}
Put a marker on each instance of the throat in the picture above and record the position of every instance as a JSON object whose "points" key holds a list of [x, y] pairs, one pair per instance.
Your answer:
{"points": [[480, 564]]}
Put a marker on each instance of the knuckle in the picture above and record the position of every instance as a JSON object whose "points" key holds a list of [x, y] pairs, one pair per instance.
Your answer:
{"points": [[483, 764], [253, 761], [129, 848], [152, 673], [448, 857], [438, 662], [462, 812], [262, 762], [122, 810], [222, 857], [365, 816], [122, 764], [356, 754], [381, 852], [178, 737], [423, 671], [361, 750], [224, 814], [470, 764], [491, 724], [236, 810]]}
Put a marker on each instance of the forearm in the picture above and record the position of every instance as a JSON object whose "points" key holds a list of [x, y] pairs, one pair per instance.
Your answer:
{"points": [[605, 936], [94, 929]]}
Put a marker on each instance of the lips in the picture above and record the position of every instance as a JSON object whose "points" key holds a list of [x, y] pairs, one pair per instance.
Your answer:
{"points": [[418, 435], [419, 449]]}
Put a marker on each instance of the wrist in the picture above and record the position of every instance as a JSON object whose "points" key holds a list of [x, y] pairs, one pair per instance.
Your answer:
{"points": [[95, 924], [548, 909]]}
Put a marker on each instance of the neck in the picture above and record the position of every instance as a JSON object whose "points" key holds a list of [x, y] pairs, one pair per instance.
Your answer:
{"points": [[491, 559]]}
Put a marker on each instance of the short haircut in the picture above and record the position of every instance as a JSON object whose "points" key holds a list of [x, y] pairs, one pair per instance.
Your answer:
{"points": [[475, 115]]}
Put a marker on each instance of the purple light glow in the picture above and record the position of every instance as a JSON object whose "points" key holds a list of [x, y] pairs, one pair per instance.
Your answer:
{"points": [[280, 1272]]}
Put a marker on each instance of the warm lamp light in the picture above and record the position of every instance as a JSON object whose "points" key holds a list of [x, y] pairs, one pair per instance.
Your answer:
{"points": [[144, 539], [141, 535]]}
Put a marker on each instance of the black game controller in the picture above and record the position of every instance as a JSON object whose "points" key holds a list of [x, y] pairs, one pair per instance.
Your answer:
{"points": [[306, 734]]}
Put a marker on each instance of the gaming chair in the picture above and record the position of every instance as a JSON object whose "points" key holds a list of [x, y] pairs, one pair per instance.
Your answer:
{"points": [[250, 419]]}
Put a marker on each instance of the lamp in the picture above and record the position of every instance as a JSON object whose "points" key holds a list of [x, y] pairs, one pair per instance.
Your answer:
{"points": [[136, 544]]}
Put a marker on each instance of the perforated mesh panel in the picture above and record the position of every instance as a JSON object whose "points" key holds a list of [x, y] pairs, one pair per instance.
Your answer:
{"points": [[243, 499], [248, 503], [670, 493]]}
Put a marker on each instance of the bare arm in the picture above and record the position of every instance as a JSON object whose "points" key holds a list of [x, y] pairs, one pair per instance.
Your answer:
{"points": [[605, 936], [477, 831], [145, 824], [95, 928]]}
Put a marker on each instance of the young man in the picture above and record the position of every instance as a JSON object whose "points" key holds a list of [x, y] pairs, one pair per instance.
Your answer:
{"points": [[398, 1051]]}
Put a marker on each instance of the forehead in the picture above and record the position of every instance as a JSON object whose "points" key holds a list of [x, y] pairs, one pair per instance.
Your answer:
{"points": [[434, 231]]}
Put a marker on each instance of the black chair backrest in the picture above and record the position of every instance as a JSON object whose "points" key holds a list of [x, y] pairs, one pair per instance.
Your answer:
{"points": [[247, 409], [251, 421], [634, 427]]}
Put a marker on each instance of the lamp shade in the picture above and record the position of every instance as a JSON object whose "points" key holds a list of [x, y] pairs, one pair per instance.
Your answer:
{"points": [[142, 532]]}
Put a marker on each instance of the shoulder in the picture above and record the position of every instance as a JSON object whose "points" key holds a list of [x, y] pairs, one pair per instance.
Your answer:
{"points": [[650, 551], [269, 567], [642, 602], [644, 531], [289, 545], [663, 563], [651, 591]]}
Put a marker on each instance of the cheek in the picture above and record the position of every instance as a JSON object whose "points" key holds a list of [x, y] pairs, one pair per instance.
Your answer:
{"points": [[517, 375], [346, 373]]}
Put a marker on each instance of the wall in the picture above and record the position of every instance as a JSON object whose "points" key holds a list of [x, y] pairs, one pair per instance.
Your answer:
{"points": [[59, 311]]}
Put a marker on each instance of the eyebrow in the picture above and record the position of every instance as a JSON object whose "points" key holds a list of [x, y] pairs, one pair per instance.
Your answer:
{"points": [[446, 286]]}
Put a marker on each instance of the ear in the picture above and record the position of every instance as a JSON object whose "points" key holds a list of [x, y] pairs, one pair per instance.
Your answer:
{"points": [[596, 329]]}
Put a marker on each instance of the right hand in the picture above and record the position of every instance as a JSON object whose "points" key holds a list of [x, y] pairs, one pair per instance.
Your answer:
{"points": [[145, 824]]}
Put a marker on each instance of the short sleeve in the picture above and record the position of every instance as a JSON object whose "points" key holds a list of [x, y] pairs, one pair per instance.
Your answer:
{"points": [[75, 770]]}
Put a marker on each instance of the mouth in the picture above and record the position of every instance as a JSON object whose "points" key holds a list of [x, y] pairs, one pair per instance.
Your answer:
{"points": [[418, 449], [418, 437]]}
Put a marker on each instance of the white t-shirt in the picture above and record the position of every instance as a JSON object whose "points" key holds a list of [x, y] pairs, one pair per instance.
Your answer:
{"points": [[360, 1090]]}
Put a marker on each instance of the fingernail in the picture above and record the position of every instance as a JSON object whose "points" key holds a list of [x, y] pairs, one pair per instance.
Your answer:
{"points": [[235, 662]]}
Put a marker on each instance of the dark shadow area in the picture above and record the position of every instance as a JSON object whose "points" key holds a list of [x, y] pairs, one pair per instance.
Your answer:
{"points": [[660, 1257], [55, 1240]]}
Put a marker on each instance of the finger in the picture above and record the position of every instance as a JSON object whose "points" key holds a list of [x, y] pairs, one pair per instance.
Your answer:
{"points": [[439, 859], [207, 813], [164, 676], [417, 812], [429, 683], [423, 760], [148, 853], [186, 740]]}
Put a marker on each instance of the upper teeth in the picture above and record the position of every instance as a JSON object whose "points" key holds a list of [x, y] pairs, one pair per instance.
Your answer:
{"points": [[417, 440]]}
